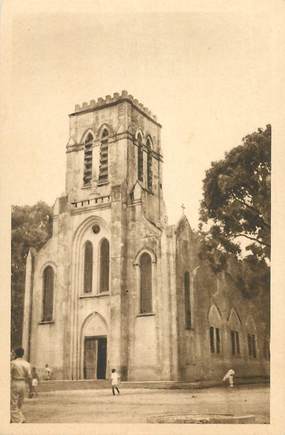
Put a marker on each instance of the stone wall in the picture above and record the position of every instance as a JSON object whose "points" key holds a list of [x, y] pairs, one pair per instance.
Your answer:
{"points": [[220, 294]]}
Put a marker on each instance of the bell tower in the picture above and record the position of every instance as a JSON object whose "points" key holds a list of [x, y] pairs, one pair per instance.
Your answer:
{"points": [[115, 141], [114, 175], [105, 252]]}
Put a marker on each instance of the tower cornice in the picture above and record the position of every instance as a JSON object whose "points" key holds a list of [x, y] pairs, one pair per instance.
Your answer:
{"points": [[109, 101]]}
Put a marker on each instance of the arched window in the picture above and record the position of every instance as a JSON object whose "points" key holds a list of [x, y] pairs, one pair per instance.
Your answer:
{"points": [[215, 321], [149, 165], [48, 286], [104, 266], [103, 168], [145, 283], [140, 158], [234, 324], [251, 337], [88, 150], [251, 342], [187, 300], [88, 267]]}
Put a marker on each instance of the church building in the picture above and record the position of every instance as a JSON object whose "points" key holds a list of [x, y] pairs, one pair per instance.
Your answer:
{"points": [[116, 286]]}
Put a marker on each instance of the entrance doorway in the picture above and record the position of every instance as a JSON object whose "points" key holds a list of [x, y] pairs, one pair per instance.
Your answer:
{"points": [[95, 357]]}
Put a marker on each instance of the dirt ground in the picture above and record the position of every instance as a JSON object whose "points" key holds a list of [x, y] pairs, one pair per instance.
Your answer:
{"points": [[136, 405]]}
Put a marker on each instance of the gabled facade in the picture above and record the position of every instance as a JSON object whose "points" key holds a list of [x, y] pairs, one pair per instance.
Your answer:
{"points": [[116, 286]]}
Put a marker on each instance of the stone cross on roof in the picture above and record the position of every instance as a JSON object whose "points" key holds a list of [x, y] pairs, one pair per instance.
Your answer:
{"points": [[183, 208]]}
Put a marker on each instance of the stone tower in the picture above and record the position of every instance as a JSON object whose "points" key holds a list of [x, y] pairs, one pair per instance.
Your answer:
{"points": [[104, 259]]}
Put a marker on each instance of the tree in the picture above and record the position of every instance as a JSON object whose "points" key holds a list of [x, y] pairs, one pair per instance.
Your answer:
{"points": [[31, 227], [236, 202], [235, 211]]}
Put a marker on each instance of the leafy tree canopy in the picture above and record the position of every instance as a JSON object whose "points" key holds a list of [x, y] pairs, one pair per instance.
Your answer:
{"points": [[235, 213], [236, 204], [31, 227]]}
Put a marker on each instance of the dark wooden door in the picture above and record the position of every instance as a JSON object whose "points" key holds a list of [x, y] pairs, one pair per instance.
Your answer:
{"points": [[102, 358], [90, 357]]}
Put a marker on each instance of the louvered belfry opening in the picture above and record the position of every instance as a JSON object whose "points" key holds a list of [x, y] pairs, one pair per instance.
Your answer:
{"points": [[103, 168], [88, 151]]}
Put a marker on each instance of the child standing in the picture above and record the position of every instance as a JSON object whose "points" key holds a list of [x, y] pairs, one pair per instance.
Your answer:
{"points": [[35, 382], [115, 381], [47, 372]]}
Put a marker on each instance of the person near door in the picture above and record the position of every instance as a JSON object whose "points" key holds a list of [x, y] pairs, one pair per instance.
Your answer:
{"points": [[115, 381]]}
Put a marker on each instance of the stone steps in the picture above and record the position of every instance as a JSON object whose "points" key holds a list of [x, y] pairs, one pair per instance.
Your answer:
{"points": [[89, 384]]}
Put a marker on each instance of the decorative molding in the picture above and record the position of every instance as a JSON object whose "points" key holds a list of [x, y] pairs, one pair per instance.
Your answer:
{"points": [[111, 101], [145, 314], [147, 251]]}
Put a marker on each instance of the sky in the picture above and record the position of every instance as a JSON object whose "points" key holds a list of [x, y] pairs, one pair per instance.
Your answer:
{"points": [[205, 72]]}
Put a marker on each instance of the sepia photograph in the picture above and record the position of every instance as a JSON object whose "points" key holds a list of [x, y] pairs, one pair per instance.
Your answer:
{"points": [[139, 200]]}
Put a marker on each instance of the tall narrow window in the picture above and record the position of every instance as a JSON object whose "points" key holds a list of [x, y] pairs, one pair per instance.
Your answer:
{"points": [[103, 168], [217, 340], [88, 145], [187, 300], [88, 267], [251, 340], [104, 266], [214, 340], [149, 165], [235, 343], [140, 158], [249, 344], [145, 284], [48, 286]]}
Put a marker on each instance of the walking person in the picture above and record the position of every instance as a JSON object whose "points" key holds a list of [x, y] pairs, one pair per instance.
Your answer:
{"points": [[35, 383], [20, 374], [115, 381], [230, 376]]}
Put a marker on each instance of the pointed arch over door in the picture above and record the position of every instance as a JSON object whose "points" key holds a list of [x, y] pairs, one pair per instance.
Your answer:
{"points": [[94, 341]]}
